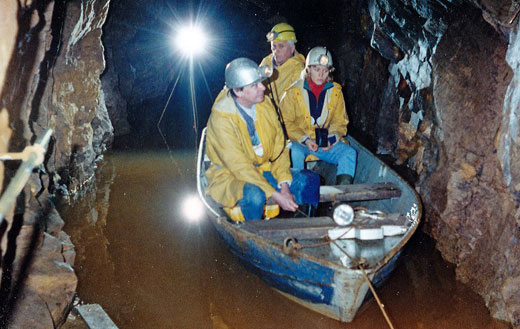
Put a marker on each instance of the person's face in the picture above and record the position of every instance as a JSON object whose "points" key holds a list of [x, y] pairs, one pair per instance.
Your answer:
{"points": [[282, 51], [319, 74], [251, 94]]}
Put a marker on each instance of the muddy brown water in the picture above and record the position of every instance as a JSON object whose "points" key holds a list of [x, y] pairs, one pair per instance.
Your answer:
{"points": [[149, 267]]}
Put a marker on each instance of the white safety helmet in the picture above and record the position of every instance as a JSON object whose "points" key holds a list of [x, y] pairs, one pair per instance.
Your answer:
{"points": [[319, 56], [242, 72]]}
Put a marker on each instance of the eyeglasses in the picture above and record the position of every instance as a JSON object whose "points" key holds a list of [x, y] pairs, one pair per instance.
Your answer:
{"points": [[271, 36]]}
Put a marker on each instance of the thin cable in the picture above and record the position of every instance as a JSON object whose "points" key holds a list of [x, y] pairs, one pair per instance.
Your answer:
{"points": [[168, 101], [193, 103], [170, 153]]}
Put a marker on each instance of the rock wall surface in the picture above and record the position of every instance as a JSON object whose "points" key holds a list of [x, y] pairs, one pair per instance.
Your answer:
{"points": [[139, 70], [8, 31], [73, 99], [51, 59], [448, 113]]}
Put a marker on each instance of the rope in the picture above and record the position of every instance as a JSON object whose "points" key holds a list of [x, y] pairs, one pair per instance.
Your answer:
{"points": [[365, 215], [367, 279]]}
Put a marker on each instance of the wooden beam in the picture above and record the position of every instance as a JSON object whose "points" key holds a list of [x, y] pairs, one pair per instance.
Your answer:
{"points": [[309, 227], [301, 228], [359, 192]]}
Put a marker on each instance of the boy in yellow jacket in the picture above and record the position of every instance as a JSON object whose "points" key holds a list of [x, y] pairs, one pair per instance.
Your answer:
{"points": [[314, 112]]}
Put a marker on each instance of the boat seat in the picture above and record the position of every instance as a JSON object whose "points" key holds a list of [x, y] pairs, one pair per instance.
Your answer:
{"points": [[312, 227], [359, 192]]}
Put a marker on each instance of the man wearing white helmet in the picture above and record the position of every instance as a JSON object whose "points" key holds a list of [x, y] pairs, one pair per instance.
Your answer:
{"points": [[245, 143], [286, 62], [314, 112]]}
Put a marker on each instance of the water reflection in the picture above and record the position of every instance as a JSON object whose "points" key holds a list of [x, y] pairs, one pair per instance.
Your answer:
{"points": [[149, 267]]}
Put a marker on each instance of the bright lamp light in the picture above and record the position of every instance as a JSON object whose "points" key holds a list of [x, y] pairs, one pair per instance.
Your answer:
{"points": [[191, 40], [193, 208]]}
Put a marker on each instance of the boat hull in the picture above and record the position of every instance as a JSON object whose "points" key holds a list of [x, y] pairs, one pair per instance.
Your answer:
{"points": [[321, 283], [334, 291]]}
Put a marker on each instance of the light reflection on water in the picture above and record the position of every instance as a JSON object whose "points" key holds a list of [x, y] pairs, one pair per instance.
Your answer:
{"points": [[149, 267]]}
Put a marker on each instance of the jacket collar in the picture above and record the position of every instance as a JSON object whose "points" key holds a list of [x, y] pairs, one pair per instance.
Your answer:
{"points": [[328, 85]]}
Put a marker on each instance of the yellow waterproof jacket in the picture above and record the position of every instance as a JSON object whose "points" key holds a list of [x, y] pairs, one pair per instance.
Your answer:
{"points": [[233, 160], [295, 110], [285, 75]]}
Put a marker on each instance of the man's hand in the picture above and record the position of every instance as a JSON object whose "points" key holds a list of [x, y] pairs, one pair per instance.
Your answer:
{"points": [[284, 198], [311, 145]]}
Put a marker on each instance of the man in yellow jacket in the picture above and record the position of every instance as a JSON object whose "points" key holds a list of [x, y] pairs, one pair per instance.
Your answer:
{"points": [[246, 146], [286, 62], [314, 112]]}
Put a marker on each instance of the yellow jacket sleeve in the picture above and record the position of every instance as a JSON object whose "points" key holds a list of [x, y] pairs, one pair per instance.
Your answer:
{"points": [[293, 113], [229, 147], [339, 119]]}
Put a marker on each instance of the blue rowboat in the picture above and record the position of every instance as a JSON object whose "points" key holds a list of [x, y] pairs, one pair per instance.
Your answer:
{"points": [[295, 256]]}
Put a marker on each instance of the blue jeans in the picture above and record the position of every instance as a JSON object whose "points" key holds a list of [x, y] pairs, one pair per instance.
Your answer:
{"points": [[305, 188], [342, 155]]}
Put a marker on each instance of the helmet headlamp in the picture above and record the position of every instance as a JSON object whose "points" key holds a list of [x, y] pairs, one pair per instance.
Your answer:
{"points": [[319, 56], [273, 35], [323, 60], [266, 71]]}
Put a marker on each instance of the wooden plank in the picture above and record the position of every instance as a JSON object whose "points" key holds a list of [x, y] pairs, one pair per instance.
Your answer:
{"points": [[95, 316], [303, 228], [359, 192], [310, 227]]}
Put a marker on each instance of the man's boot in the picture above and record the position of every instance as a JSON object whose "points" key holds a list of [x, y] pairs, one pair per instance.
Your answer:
{"points": [[327, 172], [344, 179]]}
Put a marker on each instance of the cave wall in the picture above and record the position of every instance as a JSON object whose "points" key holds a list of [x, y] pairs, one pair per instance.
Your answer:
{"points": [[51, 60], [140, 68], [8, 30], [472, 213], [444, 111], [73, 98]]}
